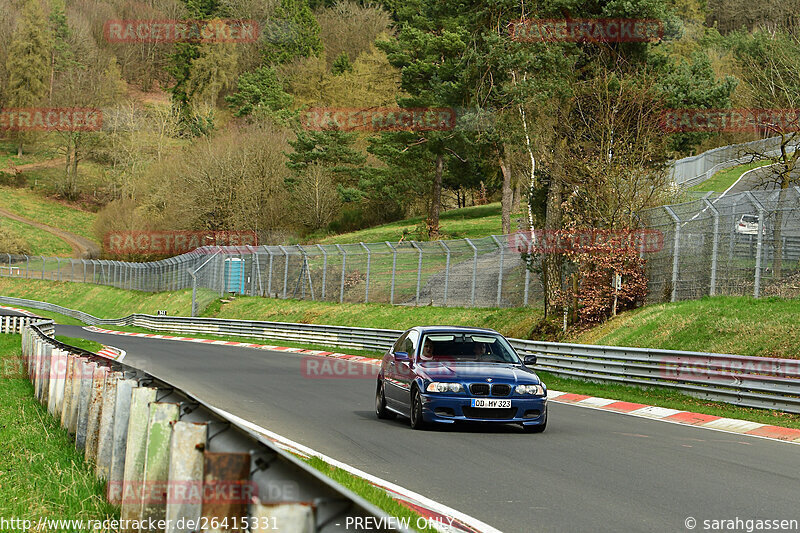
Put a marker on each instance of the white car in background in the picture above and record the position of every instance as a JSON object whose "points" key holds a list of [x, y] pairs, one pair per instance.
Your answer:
{"points": [[748, 225]]}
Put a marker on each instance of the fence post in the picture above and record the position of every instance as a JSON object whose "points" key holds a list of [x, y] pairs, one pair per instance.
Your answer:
{"points": [[419, 269], [269, 280], [500, 271], [713, 288], [446, 271], [675, 253], [27, 264], [474, 271], [369, 258], [83, 261], [324, 268], [285, 270], [344, 263], [58, 269], [760, 243], [394, 270]]}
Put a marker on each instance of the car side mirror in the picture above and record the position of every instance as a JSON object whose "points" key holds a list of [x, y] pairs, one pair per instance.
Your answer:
{"points": [[529, 360], [401, 356]]}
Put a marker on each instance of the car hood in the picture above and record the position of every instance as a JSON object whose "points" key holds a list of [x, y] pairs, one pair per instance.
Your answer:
{"points": [[471, 371]]}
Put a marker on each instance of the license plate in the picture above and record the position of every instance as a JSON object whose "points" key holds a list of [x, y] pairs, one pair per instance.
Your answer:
{"points": [[490, 403]]}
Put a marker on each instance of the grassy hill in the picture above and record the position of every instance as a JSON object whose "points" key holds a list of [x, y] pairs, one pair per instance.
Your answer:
{"points": [[720, 182], [467, 222]]}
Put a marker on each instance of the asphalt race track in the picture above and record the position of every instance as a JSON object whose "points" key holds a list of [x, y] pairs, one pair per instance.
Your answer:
{"points": [[590, 471]]}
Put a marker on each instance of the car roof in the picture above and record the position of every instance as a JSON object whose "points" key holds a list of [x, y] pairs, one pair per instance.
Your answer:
{"points": [[454, 329]]}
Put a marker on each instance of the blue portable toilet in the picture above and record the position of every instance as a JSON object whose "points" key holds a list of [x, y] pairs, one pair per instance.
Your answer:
{"points": [[234, 275]]}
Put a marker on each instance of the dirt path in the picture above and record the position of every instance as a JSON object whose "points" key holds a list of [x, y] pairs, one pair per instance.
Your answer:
{"points": [[82, 248]]}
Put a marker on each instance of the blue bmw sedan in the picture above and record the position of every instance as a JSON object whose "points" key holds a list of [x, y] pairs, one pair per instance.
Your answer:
{"points": [[445, 374]]}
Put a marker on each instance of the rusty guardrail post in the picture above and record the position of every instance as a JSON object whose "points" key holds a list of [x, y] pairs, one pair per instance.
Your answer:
{"points": [[95, 408], [105, 436], [122, 411], [84, 400], [130, 490], [156, 460], [186, 460]]}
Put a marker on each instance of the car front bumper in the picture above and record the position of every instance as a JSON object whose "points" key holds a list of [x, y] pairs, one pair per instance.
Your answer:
{"points": [[447, 409]]}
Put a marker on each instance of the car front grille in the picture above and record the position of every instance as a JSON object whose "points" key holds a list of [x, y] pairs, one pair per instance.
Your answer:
{"points": [[483, 389], [501, 413], [501, 389], [479, 389]]}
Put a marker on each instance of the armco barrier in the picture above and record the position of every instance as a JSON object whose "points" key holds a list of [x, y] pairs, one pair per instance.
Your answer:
{"points": [[168, 455], [762, 382]]}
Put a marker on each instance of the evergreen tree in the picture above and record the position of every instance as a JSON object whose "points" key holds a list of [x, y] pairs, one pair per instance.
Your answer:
{"points": [[259, 92], [332, 149], [341, 64], [293, 32], [28, 62]]}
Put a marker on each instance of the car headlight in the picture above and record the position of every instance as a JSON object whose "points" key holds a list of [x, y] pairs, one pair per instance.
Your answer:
{"points": [[536, 390], [437, 386]]}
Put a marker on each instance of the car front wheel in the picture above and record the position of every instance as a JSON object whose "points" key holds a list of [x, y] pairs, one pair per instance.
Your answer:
{"points": [[417, 422], [380, 404]]}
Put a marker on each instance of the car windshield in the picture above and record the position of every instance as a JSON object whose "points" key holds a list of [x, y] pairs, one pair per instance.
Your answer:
{"points": [[753, 219], [467, 347]]}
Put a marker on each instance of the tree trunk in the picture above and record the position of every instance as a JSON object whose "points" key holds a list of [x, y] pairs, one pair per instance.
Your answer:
{"points": [[436, 199], [552, 223], [505, 203], [517, 200]]}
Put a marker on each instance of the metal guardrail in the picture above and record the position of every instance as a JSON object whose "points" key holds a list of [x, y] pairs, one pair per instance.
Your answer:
{"points": [[693, 170], [762, 382], [167, 455]]}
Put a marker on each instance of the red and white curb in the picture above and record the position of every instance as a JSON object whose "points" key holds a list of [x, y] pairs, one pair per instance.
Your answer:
{"points": [[717, 423], [109, 352], [18, 310], [675, 416], [434, 515]]}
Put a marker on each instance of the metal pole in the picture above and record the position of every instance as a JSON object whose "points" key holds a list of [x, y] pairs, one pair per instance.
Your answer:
{"points": [[419, 269], [58, 269], [500, 272], [446, 271], [324, 268], [27, 264], [269, 281], [43, 263], [715, 247], [369, 257], [675, 253], [474, 271], [760, 244], [285, 270], [394, 270], [84, 269], [344, 263]]}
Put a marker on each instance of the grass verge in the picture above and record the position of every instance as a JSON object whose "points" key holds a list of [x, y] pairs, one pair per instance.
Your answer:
{"points": [[369, 492], [275, 342], [720, 181], [84, 344], [669, 399], [722, 324], [42, 473]]}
